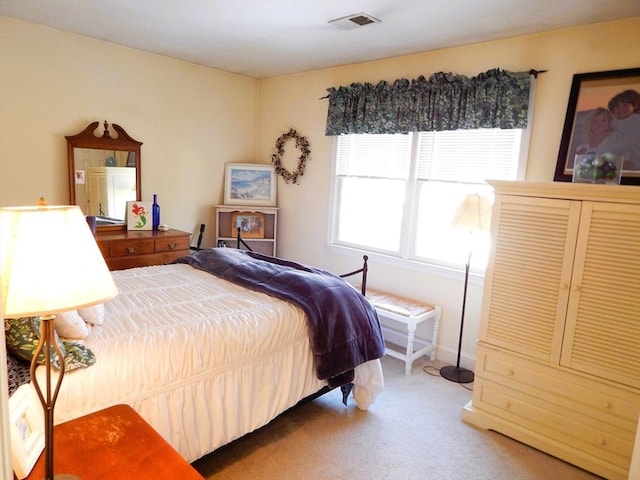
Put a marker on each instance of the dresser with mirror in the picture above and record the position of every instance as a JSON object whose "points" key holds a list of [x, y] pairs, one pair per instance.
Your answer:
{"points": [[104, 174]]}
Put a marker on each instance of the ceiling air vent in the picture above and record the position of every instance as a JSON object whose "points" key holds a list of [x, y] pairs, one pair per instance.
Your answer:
{"points": [[354, 21]]}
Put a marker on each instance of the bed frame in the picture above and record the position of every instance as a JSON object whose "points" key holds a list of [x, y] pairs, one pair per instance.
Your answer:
{"points": [[362, 270]]}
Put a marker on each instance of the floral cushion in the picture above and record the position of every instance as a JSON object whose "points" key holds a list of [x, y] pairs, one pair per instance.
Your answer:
{"points": [[77, 356], [22, 338]]}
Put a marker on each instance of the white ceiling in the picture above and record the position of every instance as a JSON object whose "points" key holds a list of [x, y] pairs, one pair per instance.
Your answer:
{"points": [[265, 38]]}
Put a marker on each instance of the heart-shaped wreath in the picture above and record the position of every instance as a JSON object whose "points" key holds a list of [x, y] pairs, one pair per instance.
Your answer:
{"points": [[302, 144]]}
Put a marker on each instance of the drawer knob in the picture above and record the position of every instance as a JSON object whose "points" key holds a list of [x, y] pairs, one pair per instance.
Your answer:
{"points": [[606, 404], [507, 404], [172, 245], [510, 372], [131, 250], [602, 442]]}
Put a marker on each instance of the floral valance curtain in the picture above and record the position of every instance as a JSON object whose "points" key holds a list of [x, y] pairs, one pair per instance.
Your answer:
{"points": [[444, 101]]}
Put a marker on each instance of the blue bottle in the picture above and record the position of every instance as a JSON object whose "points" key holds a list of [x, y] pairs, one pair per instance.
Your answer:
{"points": [[155, 212]]}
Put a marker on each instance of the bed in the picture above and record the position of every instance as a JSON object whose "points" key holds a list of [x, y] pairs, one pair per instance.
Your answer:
{"points": [[206, 360]]}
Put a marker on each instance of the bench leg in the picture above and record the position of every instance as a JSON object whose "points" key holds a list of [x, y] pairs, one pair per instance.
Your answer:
{"points": [[411, 333], [436, 332]]}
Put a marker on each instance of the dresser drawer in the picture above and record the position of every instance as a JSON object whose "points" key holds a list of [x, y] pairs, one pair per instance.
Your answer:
{"points": [[562, 425], [129, 247], [615, 405], [121, 263], [103, 245], [171, 244]]}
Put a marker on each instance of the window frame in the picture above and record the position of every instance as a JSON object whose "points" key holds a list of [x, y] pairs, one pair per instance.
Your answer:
{"points": [[407, 257]]}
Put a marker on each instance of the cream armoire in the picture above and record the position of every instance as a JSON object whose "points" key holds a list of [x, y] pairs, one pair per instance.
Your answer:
{"points": [[558, 358]]}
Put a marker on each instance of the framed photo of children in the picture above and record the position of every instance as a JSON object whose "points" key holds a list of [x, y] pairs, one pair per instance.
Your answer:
{"points": [[603, 117]]}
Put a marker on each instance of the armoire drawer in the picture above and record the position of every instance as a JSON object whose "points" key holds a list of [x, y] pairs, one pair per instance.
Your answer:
{"points": [[562, 425], [612, 404]]}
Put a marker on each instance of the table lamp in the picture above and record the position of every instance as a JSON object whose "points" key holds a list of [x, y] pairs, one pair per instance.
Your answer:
{"points": [[474, 215], [49, 263]]}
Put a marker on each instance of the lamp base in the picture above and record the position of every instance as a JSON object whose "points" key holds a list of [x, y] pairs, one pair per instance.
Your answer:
{"points": [[457, 374]]}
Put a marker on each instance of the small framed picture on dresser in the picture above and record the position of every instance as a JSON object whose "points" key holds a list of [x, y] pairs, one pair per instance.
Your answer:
{"points": [[139, 216], [27, 431]]}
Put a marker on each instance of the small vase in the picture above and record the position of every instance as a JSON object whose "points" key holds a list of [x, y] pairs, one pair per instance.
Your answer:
{"points": [[155, 212]]}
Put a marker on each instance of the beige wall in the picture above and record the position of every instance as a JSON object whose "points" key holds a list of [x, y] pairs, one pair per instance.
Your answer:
{"points": [[294, 100], [191, 119]]}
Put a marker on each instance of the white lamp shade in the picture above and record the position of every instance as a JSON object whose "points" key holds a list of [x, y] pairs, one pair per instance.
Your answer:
{"points": [[50, 262], [473, 214]]}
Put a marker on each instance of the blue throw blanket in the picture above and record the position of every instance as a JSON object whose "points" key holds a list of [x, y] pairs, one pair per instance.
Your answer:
{"points": [[343, 326]]}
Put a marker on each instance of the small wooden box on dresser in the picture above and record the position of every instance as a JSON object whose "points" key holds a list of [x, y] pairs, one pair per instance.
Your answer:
{"points": [[558, 358], [226, 231], [131, 248]]}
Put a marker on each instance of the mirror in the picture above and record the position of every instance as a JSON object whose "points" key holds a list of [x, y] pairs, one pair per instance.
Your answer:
{"points": [[104, 173]]}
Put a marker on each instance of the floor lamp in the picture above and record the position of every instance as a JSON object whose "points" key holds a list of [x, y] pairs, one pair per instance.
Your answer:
{"points": [[473, 215], [49, 263]]}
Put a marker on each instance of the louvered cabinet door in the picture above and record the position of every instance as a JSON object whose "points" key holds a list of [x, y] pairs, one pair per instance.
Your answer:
{"points": [[603, 318], [527, 286]]}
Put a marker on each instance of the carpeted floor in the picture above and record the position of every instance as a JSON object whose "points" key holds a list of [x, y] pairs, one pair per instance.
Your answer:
{"points": [[413, 431]]}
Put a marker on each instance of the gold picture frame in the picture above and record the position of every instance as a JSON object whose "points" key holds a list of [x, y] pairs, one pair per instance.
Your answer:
{"points": [[251, 224]]}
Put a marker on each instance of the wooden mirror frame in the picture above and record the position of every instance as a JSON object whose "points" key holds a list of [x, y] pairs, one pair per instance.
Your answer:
{"points": [[88, 139]]}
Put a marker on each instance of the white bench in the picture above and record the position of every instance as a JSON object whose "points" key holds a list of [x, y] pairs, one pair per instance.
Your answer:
{"points": [[403, 310], [410, 313]]}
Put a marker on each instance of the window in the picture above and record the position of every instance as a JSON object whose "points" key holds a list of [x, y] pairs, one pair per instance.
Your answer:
{"points": [[401, 195]]}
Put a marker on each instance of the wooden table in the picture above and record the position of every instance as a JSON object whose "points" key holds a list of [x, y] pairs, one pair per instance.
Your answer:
{"points": [[114, 444]]}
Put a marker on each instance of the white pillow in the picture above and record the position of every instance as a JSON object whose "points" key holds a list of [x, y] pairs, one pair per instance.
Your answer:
{"points": [[71, 325], [93, 315]]}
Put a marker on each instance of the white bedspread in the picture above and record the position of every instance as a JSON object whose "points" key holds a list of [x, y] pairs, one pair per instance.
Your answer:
{"points": [[202, 360]]}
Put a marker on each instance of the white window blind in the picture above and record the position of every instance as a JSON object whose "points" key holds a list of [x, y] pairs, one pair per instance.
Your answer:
{"points": [[379, 156], [468, 155], [398, 194]]}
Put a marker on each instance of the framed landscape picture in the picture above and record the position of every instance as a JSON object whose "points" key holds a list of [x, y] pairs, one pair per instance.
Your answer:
{"points": [[249, 184], [603, 117]]}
